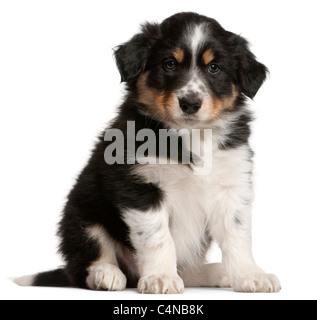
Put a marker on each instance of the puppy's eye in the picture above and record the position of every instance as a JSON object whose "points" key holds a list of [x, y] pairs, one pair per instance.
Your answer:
{"points": [[170, 65], [213, 68]]}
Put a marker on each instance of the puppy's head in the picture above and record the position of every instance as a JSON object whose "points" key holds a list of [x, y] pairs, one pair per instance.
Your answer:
{"points": [[189, 70]]}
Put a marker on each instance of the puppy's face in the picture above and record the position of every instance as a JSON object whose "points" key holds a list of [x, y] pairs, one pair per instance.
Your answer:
{"points": [[189, 70]]}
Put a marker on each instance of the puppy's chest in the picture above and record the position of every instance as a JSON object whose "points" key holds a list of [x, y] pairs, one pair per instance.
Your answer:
{"points": [[184, 192], [188, 202], [190, 199], [187, 195]]}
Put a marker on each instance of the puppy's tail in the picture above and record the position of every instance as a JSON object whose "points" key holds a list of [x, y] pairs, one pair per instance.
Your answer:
{"points": [[55, 278]]}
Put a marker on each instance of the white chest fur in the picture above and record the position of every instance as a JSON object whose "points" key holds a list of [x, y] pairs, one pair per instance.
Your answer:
{"points": [[192, 200]]}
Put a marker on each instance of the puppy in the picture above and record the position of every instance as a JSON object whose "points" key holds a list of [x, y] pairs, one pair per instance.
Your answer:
{"points": [[149, 225]]}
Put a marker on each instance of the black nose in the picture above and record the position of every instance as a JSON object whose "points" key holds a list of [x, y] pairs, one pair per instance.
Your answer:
{"points": [[190, 105]]}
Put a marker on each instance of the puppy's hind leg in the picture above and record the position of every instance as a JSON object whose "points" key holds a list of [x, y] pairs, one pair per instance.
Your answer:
{"points": [[208, 275], [104, 273]]}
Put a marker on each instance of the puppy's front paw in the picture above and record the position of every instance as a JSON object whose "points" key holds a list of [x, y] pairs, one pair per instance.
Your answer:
{"points": [[161, 284], [106, 277], [258, 282]]}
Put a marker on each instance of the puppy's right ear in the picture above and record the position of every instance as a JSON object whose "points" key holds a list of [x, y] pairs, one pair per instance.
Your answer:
{"points": [[250, 74], [132, 56]]}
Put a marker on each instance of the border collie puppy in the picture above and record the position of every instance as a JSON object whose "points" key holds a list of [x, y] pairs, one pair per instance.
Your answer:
{"points": [[150, 225]]}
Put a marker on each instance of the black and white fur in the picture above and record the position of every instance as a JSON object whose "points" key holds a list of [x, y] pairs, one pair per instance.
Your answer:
{"points": [[150, 226]]}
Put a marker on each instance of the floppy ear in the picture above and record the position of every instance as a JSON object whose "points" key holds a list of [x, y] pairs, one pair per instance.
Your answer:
{"points": [[132, 56], [250, 74]]}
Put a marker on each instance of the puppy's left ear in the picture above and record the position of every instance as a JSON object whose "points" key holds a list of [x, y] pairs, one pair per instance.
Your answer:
{"points": [[250, 74], [132, 56]]}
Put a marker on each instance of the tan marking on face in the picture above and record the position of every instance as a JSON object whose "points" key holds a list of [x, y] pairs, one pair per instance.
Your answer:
{"points": [[208, 56], [178, 54], [160, 105], [213, 107], [164, 106]]}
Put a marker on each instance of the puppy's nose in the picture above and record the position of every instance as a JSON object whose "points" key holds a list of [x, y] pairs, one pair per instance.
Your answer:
{"points": [[190, 105]]}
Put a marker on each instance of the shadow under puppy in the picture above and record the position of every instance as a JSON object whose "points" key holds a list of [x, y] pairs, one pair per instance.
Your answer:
{"points": [[150, 225]]}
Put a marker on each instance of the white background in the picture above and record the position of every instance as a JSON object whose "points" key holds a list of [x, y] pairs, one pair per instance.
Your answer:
{"points": [[59, 87]]}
